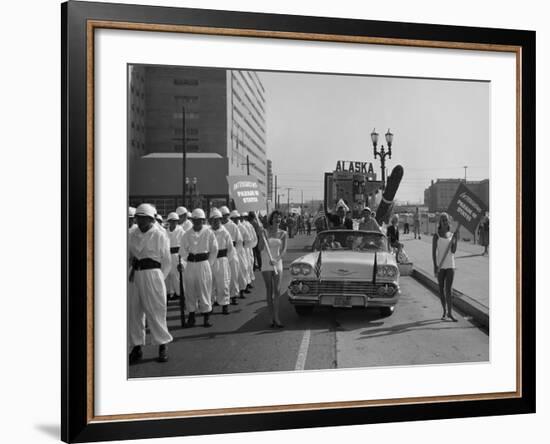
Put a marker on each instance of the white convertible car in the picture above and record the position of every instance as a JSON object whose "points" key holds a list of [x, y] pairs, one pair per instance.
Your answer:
{"points": [[346, 268]]}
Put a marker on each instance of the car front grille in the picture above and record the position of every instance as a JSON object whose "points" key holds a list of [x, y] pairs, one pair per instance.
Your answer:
{"points": [[342, 287]]}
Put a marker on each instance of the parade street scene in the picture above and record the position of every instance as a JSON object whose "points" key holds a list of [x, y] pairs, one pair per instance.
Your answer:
{"points": [[282, 221]]}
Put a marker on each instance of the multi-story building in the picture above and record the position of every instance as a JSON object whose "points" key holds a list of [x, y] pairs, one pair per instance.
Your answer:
{"points": [[439, 194], [220, 117], [136, 111], [269, 186]]}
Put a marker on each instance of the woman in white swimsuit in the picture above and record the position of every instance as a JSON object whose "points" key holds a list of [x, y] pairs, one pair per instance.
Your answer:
{"points": [[443, 256], [272, 263]]}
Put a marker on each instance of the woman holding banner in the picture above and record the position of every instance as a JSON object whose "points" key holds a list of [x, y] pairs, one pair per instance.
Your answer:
{"points": [[443, 256], [272, 244]]}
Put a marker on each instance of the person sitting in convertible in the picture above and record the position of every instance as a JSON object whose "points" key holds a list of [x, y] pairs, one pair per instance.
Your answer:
{"points": [[329, 243]]}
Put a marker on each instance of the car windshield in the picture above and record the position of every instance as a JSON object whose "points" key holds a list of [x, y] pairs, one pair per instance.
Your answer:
{"points": [[350, 240]]}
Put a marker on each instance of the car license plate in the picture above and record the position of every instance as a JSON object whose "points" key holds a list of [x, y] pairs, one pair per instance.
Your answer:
{"points": [[342, 301]]}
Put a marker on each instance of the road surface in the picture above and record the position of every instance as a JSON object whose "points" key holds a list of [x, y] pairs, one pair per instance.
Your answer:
{"points": [[244, 342]]}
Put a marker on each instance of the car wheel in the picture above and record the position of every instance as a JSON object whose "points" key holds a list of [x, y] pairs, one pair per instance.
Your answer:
{"points": [[387, 311], [303, 310]]}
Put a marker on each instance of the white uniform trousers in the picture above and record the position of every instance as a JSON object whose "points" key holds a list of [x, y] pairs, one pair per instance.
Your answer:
{"points": [[221, 280], [237, 278], [251, 263], [197, 281], [147, 299], [243, 267], [173, 279]]}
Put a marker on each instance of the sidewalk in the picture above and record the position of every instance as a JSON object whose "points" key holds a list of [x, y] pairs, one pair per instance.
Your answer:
{"points": [[471, 282]]}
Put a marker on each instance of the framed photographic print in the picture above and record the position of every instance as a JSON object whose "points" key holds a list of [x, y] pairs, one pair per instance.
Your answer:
{"points": [[276, 221]]}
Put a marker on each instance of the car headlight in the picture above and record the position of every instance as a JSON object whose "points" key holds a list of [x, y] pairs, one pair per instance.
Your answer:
{"points": [[304, 269], [386, 290], [387, 271], [298, 287]]}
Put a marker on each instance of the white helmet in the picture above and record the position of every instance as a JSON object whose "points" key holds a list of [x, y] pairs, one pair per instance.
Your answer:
{"points": [[146, 209], [244, 214], [173, 216], [158, 217], [181, 211], [131, 212], [198, 213], [215, 213], [224, 210], [234, 214]]}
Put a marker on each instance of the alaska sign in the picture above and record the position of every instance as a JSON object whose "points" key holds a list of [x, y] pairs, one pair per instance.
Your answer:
{"points": [[354, 167]]}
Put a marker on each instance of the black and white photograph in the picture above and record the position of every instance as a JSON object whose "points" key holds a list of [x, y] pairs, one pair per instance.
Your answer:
{"points": [[284, 221]]}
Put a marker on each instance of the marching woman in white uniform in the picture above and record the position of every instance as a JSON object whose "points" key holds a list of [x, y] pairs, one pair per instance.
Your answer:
{"points": [[200, 248], [272, 244], [221, 271], [243, 253], [250, 249], [131, 217], [174, 233], [238, 280], [183, 221], [253, 244], [149, 254]]}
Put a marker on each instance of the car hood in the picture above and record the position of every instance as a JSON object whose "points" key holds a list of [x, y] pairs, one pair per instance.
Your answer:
{"points": [[347, 265]]}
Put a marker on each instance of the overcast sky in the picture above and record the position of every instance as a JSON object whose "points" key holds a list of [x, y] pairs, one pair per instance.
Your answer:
{"points": [[314, 120]]}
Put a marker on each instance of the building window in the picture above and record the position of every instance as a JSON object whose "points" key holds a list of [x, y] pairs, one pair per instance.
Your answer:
{"points": [[192, 115], [188, 82], [187, 99]]}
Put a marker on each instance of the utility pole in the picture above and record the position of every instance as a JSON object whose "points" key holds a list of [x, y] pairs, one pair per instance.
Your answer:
{"points": [[247, 166], [465, 168], [288, 199], [183, 155], [302, 204], [276, 195]]}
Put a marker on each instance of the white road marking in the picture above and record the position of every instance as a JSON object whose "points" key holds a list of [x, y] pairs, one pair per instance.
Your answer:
{"points": [[302, 352]]}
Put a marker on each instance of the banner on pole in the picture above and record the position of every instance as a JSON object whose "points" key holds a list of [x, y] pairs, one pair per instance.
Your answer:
{"points": [[467, 208], [245, 192]]}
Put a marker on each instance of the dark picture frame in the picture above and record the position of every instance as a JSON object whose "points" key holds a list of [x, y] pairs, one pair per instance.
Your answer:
{"points": [[79, 21]]}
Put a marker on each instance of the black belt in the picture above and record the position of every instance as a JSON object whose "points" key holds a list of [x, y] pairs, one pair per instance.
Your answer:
{"points": [[174, 250], [145, 264], [197, 257], [222, 253]]}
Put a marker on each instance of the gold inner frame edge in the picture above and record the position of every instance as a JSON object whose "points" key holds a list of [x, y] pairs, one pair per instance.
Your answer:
{"points": [[92, 25]]}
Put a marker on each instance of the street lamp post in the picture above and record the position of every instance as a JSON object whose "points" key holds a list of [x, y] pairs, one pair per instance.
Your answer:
{"points": [[194, 192], [183, 155], [382, 153]]}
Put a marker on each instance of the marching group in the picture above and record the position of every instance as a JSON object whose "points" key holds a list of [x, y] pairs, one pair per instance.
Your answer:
{"points": [[212, 263]]}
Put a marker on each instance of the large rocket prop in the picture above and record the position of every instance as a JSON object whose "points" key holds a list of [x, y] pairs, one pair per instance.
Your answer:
{"points": [[386, 204]]}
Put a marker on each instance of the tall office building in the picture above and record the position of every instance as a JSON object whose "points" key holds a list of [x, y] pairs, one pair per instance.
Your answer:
{"points": [[269, 186], [220, 116]]}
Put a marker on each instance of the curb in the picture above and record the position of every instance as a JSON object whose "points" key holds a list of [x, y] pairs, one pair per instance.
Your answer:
{"points": [[462, 302]]}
